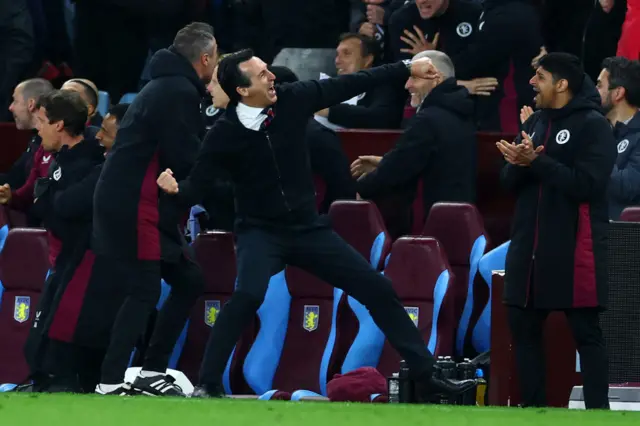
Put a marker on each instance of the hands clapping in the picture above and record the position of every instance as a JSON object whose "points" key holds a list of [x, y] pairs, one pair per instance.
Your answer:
{"points": [[167, 182], [522, 154]]}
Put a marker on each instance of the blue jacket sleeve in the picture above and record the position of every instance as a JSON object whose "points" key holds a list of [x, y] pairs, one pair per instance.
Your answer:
{"points": [[625, 183]]}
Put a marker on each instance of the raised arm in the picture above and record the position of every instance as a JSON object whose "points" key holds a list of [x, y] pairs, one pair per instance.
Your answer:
{"points": [[315, 95]]}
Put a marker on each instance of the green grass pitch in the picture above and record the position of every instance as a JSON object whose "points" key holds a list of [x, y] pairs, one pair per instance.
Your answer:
{"points": [[69, 410]]}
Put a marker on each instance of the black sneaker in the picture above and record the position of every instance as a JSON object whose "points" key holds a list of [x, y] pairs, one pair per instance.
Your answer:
{"points": [[123, 390], [432, 387], [208, 392], [160, 385]]}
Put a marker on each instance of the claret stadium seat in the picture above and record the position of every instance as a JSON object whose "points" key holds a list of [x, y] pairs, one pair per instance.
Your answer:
{"points": [[215, 253], [23, 267], [460, 230], [422, 277], [630, 214]]}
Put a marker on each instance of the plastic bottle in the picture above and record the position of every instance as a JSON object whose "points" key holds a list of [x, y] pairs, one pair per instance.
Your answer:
{"points": [[406, 384], [481, 388], [394, 388]]}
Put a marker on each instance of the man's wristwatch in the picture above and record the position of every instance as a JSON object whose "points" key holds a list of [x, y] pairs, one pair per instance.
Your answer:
{"points": [[407, 63]]}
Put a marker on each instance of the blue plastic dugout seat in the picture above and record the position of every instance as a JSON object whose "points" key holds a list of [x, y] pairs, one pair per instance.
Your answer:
{"points": [[492, 261]]}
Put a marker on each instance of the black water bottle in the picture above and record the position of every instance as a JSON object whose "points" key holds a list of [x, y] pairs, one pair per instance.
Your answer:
{"points": [[405, 391], [448, 371], [467, 371]]}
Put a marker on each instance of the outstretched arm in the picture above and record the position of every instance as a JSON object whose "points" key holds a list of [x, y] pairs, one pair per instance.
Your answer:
{"points": [[315, 95]]}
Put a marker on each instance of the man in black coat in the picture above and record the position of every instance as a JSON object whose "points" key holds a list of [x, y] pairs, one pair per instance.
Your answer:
{"points": [[559, 170], [260, 142], [63, 202], [508, 35], [438, 146], [137, 226]]}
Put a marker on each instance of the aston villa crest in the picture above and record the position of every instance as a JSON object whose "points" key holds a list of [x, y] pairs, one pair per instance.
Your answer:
{"points": [[22, 309], [211, 311], [311, 317], [414, 314]]}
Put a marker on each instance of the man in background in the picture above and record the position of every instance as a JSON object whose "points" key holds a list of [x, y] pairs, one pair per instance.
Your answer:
{"points": [[380, 108], [23, 109], [110, 125], [619, 87]]}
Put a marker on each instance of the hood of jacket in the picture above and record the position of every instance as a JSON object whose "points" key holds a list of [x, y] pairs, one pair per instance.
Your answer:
{"points": [[450, 96], [169, 63], [587, 98]]}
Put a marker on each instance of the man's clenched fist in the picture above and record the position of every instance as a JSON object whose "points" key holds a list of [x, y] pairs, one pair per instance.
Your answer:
{"points": [[167, 182]]}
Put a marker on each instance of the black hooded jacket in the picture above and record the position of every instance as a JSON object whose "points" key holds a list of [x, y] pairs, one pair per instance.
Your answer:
{"points": [[438, 146], [558, 250], [508, 34], [162, 128], [63, 200]]}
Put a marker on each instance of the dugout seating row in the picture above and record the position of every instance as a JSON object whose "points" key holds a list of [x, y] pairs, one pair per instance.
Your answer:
{"points": [[338, 331]]}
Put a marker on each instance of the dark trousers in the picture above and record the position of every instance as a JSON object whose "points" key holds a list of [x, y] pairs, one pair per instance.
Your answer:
{"points": [[73, 366], [527, 329], [143, 280], [318, 250]]}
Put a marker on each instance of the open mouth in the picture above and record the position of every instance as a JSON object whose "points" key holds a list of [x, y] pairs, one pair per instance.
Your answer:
{"points": [[272, 90]]}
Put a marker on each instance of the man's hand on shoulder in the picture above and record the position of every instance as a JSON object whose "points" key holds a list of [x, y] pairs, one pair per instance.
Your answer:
{"points": [[167, 182]]}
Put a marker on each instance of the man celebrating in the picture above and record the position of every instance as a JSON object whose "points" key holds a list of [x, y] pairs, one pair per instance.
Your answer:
{"points": [[559, 169], [619, 87], [439, 144], [136, 226], [260, 141]]}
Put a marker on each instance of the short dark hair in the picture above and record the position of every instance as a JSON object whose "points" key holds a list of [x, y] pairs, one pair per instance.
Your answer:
{"points": [[369, 45], [68, 107], [35, 87], [88, 90], [118, 111], [283, 74], [564, 66], [230, 76], [193, 40], [625, 73]]}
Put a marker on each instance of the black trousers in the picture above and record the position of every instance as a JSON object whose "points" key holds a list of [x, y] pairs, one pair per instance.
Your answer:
{"points": [[73, 366], [317, 249], [527, 333], [143, 280]]}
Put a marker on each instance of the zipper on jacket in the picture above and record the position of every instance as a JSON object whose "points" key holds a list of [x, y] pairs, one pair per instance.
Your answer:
{"points": [[535, 235], [275, 162]]}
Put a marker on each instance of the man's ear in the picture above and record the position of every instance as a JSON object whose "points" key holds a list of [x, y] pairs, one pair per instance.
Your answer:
{"points": [[562, 85], [59, 125], [619, 93], [242, 91], [31, 105]]}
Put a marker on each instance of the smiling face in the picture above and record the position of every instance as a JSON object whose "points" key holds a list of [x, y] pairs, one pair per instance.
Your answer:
{"points": [[261, 93], [430, 8], [349, 58], [22, 109]]}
